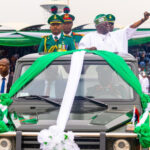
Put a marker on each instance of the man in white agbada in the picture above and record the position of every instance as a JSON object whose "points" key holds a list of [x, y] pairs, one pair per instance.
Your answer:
{"points": [[102, 39]]}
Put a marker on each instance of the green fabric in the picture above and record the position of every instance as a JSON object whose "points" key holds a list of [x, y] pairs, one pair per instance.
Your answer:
{"points": [[138, 41], [65, 43], [41, 63], [143, 132], [1, 115], [19, 41], [5, 99], [3, 127], [30, 121]]}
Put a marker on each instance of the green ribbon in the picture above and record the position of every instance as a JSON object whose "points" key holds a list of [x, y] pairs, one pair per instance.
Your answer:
{"points": [[3, 127], [5, 99], [143, 133], [30, 121]]}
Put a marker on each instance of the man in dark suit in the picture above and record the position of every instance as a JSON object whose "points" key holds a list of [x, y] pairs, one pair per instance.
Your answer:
{"points": [[5, 77]]}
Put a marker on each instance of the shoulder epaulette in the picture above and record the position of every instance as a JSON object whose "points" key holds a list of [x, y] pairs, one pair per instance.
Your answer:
{"points": [[45, 36], [77, 34], [67, 35]]}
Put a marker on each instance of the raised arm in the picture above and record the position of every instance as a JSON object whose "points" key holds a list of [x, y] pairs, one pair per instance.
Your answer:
{"points": [[141, 21]]}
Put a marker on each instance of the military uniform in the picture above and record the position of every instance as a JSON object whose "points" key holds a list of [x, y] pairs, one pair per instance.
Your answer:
{"points": [[48, 44], [68, 18], [76, 38]]}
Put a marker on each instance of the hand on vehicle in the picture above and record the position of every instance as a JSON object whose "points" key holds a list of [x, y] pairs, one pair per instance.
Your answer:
{"points": [[92, 48]]}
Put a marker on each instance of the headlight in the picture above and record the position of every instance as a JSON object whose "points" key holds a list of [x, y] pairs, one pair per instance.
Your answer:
{"points": [[121, 144], [5, 144]]}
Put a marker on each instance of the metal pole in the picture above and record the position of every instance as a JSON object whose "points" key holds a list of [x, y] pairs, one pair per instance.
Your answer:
{"points": [[102, 141], [18, 140]]}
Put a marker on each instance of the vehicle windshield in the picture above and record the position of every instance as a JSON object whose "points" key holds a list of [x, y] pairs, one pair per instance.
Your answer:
{"points": [[97, 81]]}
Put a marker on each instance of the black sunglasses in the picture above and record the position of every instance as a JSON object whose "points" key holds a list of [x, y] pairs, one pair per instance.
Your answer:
{"points": [[111, 23]]}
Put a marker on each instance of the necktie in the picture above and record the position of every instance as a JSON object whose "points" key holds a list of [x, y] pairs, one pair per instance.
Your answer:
{"points": [[56, 38], [3, 85]]}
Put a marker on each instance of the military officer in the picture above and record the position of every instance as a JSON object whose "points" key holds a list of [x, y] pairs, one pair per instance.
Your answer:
{"points": [[56, 42], [111, 20], [67, 26]]}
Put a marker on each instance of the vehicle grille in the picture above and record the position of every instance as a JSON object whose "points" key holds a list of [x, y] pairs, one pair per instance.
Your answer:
{"points": [[88, 143], [30, 143]]}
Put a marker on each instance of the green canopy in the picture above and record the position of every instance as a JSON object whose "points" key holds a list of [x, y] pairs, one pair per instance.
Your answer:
{"points": [[138, 41], [19, 42], [31, 38]]}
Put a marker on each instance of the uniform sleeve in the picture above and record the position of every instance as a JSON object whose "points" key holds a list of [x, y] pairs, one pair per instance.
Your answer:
{"points": [[85, 42], [41, 46]]}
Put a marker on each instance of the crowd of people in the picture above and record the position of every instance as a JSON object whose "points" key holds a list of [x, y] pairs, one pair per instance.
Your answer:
{"points": [[144, 70], [62, 38]]}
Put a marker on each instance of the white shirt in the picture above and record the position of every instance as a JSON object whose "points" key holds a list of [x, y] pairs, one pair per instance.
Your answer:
{"points": [[116, 41], [59, 35], [6, 81], [144, 84]]}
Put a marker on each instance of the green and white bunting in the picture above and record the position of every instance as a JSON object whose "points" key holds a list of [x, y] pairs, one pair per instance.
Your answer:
{"points": [[31, 38], [143, 128]]}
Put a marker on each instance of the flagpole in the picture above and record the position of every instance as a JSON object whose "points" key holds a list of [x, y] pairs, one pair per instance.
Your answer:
{"points": [[133, 115]]}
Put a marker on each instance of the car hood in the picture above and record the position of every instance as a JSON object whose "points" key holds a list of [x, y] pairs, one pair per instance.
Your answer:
{"points": [[101, 121]]}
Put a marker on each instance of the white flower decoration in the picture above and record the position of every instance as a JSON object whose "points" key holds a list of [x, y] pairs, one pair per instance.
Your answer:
{"points": [[55, 139]]}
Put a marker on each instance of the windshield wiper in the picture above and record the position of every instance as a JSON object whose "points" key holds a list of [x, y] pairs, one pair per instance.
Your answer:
{"points": [[92, 100], [37, 97]]}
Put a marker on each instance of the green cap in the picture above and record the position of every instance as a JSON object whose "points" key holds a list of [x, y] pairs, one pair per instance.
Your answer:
{"points": [[99, 19], [54, 18], [110, 18]]}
